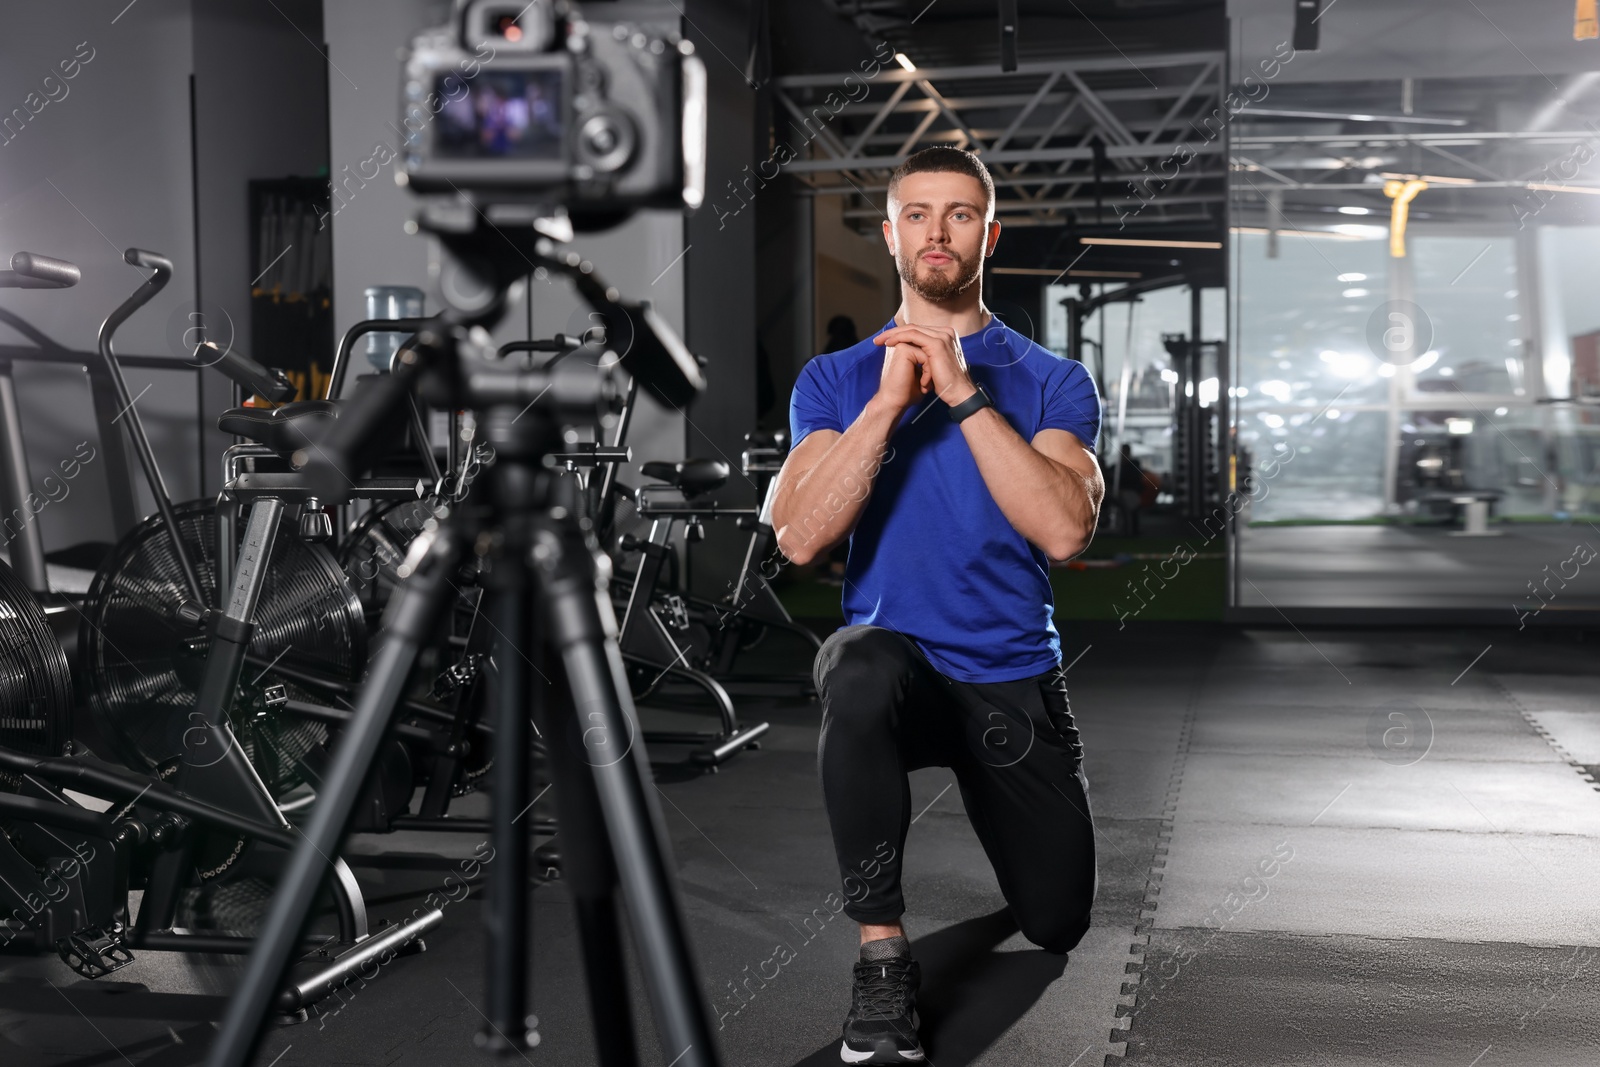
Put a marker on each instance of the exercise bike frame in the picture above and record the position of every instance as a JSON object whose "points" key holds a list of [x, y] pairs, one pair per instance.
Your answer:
{"points": [[213, 774]]}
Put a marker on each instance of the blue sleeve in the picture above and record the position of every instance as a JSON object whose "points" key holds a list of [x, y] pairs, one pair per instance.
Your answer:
{"points": [[814, 404], [1071, 403]]}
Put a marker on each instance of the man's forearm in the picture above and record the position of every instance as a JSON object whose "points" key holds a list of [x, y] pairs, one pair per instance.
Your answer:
{"points": [[1051, 505], [821, 508]]}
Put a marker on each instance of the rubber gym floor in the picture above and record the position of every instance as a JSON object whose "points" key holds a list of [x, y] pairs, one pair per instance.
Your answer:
{"points": [[1318, 848]]}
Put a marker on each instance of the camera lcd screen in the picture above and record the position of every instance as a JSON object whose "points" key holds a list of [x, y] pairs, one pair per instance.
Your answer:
{"points": [[505, 114]]}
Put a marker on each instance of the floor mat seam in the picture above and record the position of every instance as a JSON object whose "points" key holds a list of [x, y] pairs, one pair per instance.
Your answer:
{"points": [[1131, 991], [1584, 772]]}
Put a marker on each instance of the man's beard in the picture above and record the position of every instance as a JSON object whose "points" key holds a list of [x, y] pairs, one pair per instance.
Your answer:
{"points": [[939, 285]]}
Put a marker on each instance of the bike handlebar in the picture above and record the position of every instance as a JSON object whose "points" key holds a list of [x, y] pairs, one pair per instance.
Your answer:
{"points": [[261, 381], [29, 270], [155, 261], [162, 268]]}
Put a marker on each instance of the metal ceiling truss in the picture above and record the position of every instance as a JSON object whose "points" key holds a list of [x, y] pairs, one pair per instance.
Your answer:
{"points": [[1073, 140], [1455, 163]]}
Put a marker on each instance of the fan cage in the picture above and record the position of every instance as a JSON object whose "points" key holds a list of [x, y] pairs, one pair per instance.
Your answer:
{"points": [[141, 663], [35, 683]]}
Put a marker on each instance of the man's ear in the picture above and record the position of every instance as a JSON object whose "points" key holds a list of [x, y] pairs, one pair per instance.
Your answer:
{"points": [[994, 237], [888, 236]]}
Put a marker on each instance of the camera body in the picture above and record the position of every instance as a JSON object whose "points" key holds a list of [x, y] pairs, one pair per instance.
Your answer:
{"points": [[522, 102]]}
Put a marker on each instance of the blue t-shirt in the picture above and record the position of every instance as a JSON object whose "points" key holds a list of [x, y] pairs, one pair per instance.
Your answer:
{"points": [[932, 556]]}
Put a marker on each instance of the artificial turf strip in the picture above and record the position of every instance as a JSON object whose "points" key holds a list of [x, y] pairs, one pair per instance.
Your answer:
{"points": [[1193, 593]]}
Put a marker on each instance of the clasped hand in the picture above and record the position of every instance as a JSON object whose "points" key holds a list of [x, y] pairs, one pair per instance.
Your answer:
{"points": [[919, 358]]}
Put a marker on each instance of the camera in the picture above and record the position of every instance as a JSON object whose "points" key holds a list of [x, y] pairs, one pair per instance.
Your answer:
{"points": [[519, 102]]}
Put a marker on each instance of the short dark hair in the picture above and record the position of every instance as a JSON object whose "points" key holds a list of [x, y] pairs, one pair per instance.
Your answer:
{"points": [[946, 159]]}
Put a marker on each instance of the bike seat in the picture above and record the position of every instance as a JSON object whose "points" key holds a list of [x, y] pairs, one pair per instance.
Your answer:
{"points": [[691, 476], [282, 429]]}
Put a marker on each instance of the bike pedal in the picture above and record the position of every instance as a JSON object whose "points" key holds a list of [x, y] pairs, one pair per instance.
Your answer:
{"points": [[674, 611], [95, 952]]}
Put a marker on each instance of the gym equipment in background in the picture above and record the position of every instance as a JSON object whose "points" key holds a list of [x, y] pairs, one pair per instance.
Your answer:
{"points": [[203, 816], [742, 619], [35, 684], [156, 655], [698, 639]]}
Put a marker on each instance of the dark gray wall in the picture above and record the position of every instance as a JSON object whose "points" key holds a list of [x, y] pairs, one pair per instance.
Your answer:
{"points": [[720, 268], [261, 112], [102, 168], [109, 166], [785, 293]]}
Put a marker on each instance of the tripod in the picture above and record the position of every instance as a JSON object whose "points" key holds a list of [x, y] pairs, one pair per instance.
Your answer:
{"points": [[558, 656]]}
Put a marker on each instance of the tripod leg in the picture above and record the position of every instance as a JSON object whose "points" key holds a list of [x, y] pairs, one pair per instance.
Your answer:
{"points": [[506, 916], [590, 874], [583, 630], [409, 621]]}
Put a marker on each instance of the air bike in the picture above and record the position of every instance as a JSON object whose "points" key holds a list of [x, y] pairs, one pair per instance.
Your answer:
{"points": [[172, 630]]}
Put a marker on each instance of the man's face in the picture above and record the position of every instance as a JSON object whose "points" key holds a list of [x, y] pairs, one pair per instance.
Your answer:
{"points": [[937, 233]]}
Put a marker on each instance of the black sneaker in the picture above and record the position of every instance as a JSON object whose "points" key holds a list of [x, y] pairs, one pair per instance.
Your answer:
{"points": [[882, 1024]]}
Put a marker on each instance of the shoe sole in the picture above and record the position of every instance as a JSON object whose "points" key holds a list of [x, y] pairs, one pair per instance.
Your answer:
{"points": [[880, 1055]]}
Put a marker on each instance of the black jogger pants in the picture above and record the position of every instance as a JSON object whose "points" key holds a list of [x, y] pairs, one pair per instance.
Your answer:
{"points": [[1017, 758]]}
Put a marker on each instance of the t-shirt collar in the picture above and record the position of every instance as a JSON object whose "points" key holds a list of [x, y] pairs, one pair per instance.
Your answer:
{"points": [[994, 320]]}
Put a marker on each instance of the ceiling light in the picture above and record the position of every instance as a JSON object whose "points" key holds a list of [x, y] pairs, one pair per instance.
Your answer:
{"points": [[1355, 294], [1345, 364], [1432, 179], [1147, 242], [1049, 272], [1458, 426], [1552, 187], [1349, 209], [1298, 233], [905, 61], [1344, 116], [1352, 278]]}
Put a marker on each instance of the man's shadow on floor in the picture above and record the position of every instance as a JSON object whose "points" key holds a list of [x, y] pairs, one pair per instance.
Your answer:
{"points": [[970, 993]]}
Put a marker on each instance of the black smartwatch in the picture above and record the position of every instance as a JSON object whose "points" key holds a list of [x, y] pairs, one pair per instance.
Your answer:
{"points": [[971, 405]]}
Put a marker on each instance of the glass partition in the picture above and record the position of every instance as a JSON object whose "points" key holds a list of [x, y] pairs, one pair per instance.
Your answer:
{"points": [[1417, 389]]}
